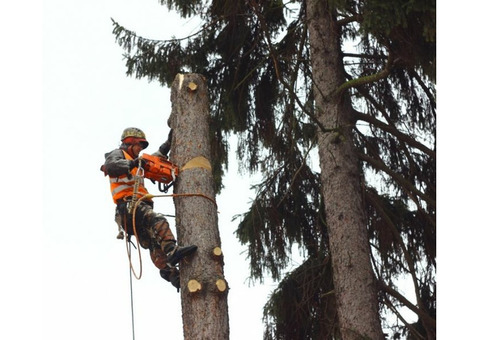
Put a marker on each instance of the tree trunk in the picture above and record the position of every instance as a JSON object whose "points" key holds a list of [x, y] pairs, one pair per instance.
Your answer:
{"points": [[203, 286], [340, 175]]}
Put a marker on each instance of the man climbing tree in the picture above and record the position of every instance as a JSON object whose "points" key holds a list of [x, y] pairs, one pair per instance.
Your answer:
{"points": [[127, 187]]}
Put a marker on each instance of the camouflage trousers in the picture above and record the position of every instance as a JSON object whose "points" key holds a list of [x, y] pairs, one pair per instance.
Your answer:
{"points": [[152, 229]]}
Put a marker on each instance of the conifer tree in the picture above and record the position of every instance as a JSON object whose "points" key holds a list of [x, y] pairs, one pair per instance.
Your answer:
{"points": [[334, 102]]}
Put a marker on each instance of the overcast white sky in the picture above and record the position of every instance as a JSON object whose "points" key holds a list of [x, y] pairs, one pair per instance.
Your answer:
{"points": [[73, 264], [64, 275]]}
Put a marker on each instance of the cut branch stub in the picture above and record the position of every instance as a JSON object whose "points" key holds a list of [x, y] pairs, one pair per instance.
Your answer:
{"points": [[217, 252], [192, 87], [221, 285], [194, 286]]}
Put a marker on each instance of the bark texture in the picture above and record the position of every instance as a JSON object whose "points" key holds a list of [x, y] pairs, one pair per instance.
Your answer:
{"points": [[204, 308], [340, 174]]}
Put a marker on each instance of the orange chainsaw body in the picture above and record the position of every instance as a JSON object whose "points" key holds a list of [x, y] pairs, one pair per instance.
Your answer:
{"points": [[159, 169]]}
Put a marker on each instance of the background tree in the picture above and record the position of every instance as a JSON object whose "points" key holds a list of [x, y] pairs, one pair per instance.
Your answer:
{"points": [[373, 108]]}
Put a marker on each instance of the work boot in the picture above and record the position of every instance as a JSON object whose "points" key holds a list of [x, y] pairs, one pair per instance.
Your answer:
{"points": [[171, 275], [177, 253]]}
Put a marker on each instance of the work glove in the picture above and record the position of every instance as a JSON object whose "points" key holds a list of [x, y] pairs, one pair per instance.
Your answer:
{"points": [[159, 154], [135, 163]]}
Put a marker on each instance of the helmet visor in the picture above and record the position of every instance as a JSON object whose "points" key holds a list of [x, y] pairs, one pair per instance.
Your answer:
{"points": [[134, 140]]}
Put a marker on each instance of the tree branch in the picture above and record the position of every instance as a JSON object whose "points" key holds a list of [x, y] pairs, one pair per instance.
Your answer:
{"points": [[365, 79], [409, 188], [397, 313], [350, 19], [163, 41], [427, 319], [364, 56], [427, 91], [395, 132], [398, 237], [295, 176]]}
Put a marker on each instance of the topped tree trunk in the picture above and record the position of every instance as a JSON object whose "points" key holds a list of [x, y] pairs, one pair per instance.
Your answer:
{"points": [[203, 286]]}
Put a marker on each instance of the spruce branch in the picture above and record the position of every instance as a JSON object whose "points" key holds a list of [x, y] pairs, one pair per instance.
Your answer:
{"points": [[423, 315], [365, 79], [118, 29], [410, 189], [304, 161], [408, 258], [394, 131]]}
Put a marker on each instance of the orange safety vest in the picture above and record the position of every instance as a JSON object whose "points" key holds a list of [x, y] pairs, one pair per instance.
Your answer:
{"points": [[122, 186]]}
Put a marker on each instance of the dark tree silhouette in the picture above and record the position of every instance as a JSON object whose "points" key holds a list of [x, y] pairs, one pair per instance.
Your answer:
{"points": [[334, 102]]}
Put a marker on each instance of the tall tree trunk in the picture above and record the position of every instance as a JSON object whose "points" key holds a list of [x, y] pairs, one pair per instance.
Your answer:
{"points": [[340, 174], [203, 286]]}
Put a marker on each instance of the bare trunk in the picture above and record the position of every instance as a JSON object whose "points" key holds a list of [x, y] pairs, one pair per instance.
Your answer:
{"points": [[340, 174], [204, 289]]}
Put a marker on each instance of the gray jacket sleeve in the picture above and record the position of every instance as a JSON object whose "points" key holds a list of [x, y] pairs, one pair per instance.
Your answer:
{"points": [[116, 164]]}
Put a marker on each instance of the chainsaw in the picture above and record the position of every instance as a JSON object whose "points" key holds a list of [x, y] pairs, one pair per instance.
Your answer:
{"points": [[159, 170]]}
